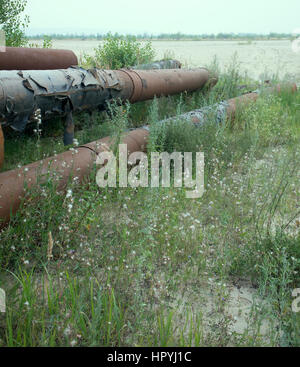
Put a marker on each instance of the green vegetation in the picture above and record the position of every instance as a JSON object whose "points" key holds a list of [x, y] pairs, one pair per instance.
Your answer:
{"points": [[119, 52], [148, 267], [12, 23], [47, 43]]}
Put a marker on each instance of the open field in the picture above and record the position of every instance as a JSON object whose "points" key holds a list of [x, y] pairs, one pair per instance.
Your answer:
{"points": [[260, 59], [149, 267]]}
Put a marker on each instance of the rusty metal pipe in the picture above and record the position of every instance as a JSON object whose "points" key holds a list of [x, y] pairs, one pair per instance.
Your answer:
{"points": [[59, 92], [227, 110], [69, 130], [66, 92], [80, 162], [150, 83], [19, 58], [241, 102]]}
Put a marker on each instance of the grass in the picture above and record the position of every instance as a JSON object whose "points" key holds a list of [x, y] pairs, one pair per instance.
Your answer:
{"points": [[147, 267]]}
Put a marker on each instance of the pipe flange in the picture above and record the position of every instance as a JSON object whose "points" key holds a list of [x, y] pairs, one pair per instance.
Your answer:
{"points": [[137, 84]]}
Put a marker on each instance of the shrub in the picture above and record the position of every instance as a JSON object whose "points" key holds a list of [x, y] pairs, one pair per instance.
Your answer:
{"points": [[119, 52]]}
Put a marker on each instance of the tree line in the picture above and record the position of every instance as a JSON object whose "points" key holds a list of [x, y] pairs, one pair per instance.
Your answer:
{"points": [[168, 36], [14, 24]]}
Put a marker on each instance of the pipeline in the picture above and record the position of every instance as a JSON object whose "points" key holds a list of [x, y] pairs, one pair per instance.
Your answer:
{"points": [[19, 58], [226, 110], [52, 93], [60, 92], [81, 161], [156, 65]]}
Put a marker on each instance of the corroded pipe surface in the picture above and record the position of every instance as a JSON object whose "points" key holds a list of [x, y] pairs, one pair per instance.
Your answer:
{"points": [[54, 92], [156, 65], [19, 58], [80, 162], [59, 92], [239, 103], [150, 83], [227, 110], [1, 147]]}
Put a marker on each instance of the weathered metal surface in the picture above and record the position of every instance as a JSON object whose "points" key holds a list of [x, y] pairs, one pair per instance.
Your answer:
{"points": [[225, 110], [81, 161], [19, 58], [1, 147], [69, 130], [216, 113], [239, 103], [59, 92], [267, 85], [150, 83], [156, 65], [54, 92]]}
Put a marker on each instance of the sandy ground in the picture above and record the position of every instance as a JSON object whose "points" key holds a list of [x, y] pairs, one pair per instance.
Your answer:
{"points": [[239, 301], [259, 59]]}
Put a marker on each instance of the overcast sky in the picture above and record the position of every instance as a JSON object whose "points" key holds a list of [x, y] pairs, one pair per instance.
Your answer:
{"points": [[158, 16]]}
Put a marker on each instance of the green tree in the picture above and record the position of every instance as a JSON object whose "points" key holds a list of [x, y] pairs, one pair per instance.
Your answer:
{"points": [[12, 22]]}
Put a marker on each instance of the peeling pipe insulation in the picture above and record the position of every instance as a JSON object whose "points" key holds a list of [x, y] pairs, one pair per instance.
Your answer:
{"points": [[60, 92], [24, 95], [81, 161]]}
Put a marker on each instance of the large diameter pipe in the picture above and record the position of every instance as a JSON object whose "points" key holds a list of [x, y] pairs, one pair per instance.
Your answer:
{"points": [[19, 58], [227, 110], [219, 112], [80, 162], [150, 83], [243, 101], [61, 92]]}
